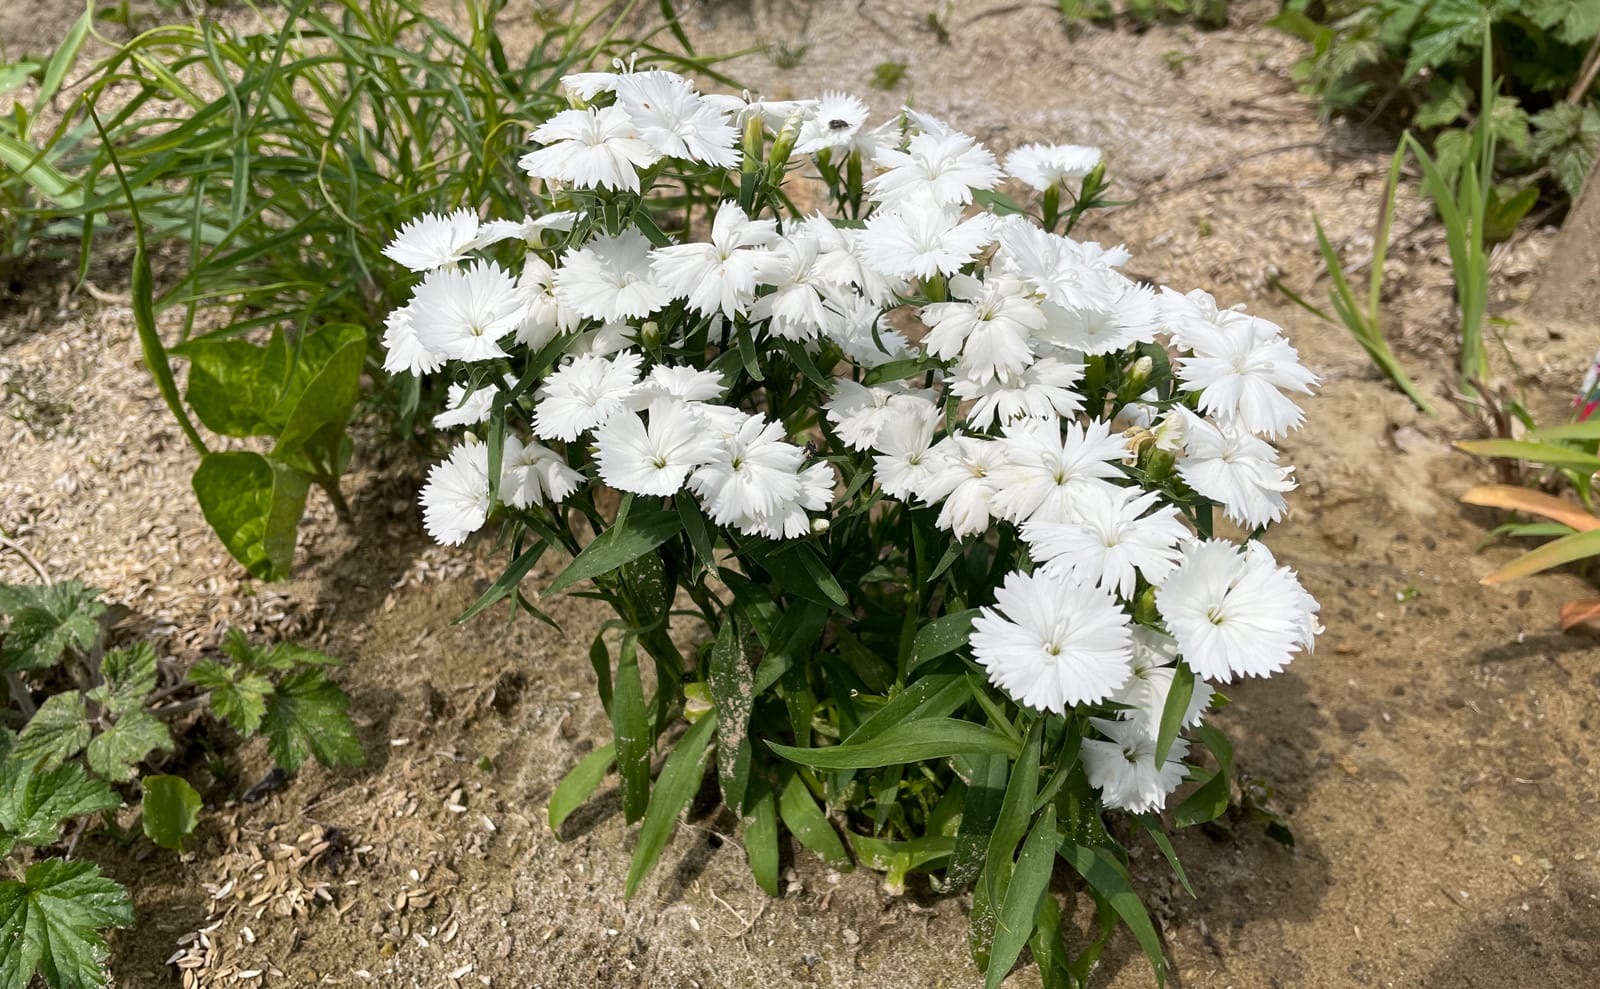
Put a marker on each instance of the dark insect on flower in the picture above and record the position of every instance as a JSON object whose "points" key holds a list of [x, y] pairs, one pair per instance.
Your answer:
{"points": [[838, 125], [811, 448]]}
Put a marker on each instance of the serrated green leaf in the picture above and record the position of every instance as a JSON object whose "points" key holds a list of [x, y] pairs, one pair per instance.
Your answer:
{"points": [[680, 779], [57, 731], [128, 675], [171, 809], [238, 697], [1448, 30], [934, 738], [34, 803], [254, 504], [579, 783], [114, 752], [637, 535], [50, 923], [306, 715], [46, 621]]}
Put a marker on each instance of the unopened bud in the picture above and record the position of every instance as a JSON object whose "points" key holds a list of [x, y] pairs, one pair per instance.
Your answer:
{"points": [[819, 526]]}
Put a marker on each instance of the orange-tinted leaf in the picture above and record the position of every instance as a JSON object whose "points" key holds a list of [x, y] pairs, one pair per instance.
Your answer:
{"points": [[1515, 499], [1575, 613], [1567, 549]]}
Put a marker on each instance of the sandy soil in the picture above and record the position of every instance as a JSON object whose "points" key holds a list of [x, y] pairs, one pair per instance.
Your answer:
{"points": [[1435, 758]]}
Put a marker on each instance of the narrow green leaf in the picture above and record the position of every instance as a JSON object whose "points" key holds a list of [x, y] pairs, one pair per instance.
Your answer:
{"points": [[579, 784], [1029, 883], [732, 683], [942, 636], [1543, 453], [65, 55], [1158, 834], [980, 809], [1109, 881], [1210, 801], [935, 738], [171, 809], [1012, 822], [805, 820], [936, 696], [761, 835], [630, 726], [642, 532], [507, 583], [680, 780], [254, 504], [1567, 549], [1172, 712]]}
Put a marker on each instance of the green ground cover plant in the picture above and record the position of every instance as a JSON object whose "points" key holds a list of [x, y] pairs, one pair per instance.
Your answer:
{"points": [[79, 753], [267, 169], [1418, 62]]}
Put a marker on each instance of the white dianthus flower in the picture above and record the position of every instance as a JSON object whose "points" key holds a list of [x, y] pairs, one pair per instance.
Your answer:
{"points": [[1048, 469], [462, 313], [1230, 465], [1052, 644], [583, 394], [1045, 165], [455, 500], [1238, 376], [944, 167], [1111, 542], [531, 474], [674, 121], [654, 458], [1236, 612], [434, 240], [590, 149], [1123, 766], [609, 279]]}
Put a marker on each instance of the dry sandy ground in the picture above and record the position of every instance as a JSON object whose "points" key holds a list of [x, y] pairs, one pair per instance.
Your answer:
{"points": [[1434, 758]]}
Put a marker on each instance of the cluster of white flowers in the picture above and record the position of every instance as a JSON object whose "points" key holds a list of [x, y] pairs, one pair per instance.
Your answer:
{"points": [[1007, 421]]}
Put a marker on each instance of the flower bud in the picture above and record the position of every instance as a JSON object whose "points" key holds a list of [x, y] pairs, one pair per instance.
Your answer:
{"points": [[819, 526]]}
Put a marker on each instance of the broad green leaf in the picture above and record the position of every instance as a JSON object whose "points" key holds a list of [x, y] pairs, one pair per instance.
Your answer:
{"points": [[761, 835], [1029, 883], [231, 388], [57, 731], [920, 740], [639, 534], [116, 751], [942, 636], [254, 503], [315, 424], [46, 621], [171, 809], [50, 923], [680, 780], [732, 683], [237, 696], [1109, 880], [1543, 453], [630, 728], [809, 825], [34, 803], [129, 675], [1567, 549], [306, 716], [579, 783], [1447, 30]]}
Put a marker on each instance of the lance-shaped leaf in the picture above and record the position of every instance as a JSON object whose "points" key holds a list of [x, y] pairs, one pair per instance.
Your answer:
{"points": [[1567, 549]]}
